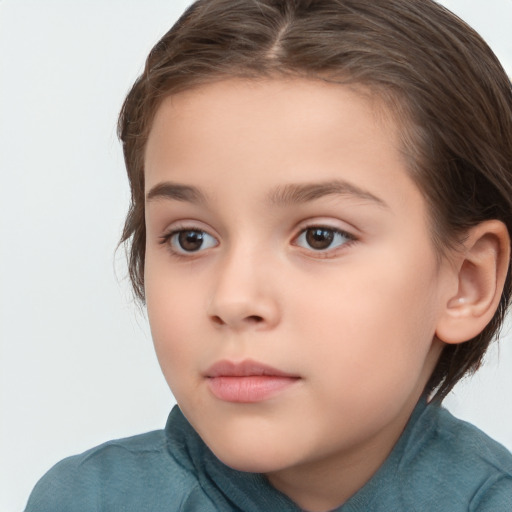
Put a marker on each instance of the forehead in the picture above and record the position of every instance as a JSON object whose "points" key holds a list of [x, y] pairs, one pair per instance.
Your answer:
{"points": [[293, 109], [268, 133]]}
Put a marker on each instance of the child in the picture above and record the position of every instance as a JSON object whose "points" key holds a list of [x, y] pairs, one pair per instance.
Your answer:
{"points": [[319, 228]]}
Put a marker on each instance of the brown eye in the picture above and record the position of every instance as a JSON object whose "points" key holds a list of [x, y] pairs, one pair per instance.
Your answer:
{"points": [[191, 240], [319, 238]]}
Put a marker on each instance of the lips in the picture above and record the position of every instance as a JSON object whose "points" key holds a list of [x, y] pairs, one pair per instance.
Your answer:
{"points": [[247, 382]]}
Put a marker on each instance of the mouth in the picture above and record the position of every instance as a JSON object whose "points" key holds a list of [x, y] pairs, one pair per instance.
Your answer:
{"points": [[247, 381]]}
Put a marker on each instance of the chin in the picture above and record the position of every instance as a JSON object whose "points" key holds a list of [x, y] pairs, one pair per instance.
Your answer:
{"points": [[249, 457], [249, 464]]}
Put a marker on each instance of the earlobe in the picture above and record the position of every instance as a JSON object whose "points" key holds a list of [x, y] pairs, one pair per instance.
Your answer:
{"points": [[481, 271]]}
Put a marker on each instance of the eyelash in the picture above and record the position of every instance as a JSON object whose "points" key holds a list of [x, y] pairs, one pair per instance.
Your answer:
{"points": [[321, 252]]}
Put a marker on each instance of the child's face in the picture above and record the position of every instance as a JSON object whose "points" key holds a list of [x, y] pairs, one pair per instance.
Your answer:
{"points": [[284, 231]]}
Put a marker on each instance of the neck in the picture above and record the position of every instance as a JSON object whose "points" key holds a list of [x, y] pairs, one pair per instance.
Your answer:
{"points": [[323, 485]]}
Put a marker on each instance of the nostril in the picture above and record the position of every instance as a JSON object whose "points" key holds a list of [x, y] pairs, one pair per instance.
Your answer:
{"points": [[236, 320], [217, 320]]}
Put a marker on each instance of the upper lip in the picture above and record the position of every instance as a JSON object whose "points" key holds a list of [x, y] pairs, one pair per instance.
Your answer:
{"points": [[245, 368]]}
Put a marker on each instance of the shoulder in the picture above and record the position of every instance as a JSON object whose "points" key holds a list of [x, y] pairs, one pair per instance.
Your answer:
{"points": [[122, 474], [462, 441], [458, 464], [482, 466]]}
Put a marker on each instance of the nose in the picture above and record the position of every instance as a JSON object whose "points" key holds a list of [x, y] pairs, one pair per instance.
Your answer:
{"points": [[244, 295]]}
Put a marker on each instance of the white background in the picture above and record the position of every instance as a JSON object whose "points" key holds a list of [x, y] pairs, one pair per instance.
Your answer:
{"points": [[77, 365]]}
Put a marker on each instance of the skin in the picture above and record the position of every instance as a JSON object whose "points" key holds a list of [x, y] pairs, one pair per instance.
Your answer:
{"points": [[354, 322]]}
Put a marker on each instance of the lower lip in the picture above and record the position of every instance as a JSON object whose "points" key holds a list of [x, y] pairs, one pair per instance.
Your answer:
{"points": [[249, 389]]}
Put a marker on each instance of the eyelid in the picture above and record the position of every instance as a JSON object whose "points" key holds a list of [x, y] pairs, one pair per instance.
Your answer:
{"points": [[187, 225], [329, 223]]}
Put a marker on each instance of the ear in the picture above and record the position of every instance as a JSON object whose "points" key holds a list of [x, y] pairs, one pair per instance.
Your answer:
{"points": [[481, 268]]}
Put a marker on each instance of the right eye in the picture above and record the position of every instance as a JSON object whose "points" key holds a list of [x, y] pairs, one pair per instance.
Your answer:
{"points": [[190, 240]]}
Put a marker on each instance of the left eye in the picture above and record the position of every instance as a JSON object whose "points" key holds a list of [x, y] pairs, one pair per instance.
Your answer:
{"points": [[322, 238], [191, 240]]}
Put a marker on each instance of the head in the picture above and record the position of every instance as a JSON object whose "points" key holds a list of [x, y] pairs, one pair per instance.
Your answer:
{"points": [[321, 201], [427, 71]]}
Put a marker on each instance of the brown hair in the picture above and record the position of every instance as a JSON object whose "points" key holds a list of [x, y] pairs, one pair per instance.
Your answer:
{"points": [[433, 72]]}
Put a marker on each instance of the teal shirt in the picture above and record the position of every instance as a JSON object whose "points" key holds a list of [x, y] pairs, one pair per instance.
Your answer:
{"points": [[439, 464]]}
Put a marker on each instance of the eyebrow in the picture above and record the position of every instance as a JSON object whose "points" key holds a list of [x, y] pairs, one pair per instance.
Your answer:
{"points": [[176, 191], [292, 193], [302, 193]]}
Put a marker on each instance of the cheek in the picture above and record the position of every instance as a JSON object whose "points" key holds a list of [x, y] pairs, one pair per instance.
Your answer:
{"points": [[372, 326], [170, 306]]}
